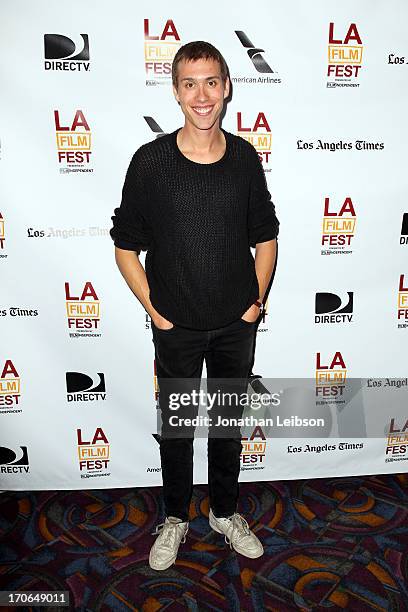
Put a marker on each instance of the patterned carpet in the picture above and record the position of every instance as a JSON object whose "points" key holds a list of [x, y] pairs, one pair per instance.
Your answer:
{"points": [[337, 544]]}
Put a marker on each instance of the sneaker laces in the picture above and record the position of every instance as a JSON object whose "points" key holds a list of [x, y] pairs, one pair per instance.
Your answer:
{"points": [[168, 531], [239, 526]]}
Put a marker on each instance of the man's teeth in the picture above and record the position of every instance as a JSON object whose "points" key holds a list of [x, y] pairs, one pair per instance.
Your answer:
{"points": [[203, 111]]}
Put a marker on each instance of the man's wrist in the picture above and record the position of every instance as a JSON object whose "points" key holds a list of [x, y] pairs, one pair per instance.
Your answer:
{"points": [[259, 305]]}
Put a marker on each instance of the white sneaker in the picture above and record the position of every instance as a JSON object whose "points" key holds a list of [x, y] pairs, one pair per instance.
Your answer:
{"points": [[237, 534], [164, 551]]}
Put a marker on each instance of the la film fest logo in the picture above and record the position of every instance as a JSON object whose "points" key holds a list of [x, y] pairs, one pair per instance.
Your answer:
{"points": [[403, 301], [93, 454], [14, 461], [73, 143], [339, 226], [10, 383], [83, 388], [2, 236], [330, 378], [74, 54], [253, 450], [258, 133], [258, 62], [345, 57], [404, 229], [332, 308], [397, 441], [155, 382], [159, 51], [83, 311]]}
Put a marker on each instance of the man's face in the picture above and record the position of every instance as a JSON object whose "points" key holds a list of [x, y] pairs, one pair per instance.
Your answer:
{"points": [[201, 92]]}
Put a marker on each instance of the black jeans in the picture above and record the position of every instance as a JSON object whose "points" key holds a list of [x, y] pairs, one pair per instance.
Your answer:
{"points": [[180, 353]]}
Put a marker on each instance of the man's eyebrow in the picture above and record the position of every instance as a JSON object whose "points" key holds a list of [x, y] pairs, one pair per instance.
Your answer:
{"points": [[210, 78]]}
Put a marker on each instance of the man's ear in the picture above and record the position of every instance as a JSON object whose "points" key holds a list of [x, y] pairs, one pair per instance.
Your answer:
{"points": [[175, 93], [227, 85]]}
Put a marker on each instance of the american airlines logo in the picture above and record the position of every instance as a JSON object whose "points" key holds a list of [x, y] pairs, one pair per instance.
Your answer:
{"points": [[154, 126], [254, 53]]}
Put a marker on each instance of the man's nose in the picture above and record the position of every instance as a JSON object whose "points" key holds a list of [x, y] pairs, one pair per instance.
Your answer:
{"points": [[202, 91]]}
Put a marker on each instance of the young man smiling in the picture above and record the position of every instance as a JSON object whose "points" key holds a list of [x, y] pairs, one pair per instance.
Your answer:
{"points": [[196, 200]]}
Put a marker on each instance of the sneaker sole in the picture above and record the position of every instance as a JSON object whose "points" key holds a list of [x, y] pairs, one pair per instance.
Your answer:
{"points": [[241, 552]]}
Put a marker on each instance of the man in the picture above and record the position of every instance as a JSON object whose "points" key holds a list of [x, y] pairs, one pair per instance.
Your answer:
{"points": [[196, 200]]}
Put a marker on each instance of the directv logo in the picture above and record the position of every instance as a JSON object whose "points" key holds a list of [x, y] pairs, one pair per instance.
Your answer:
{"points": [[404, 229], [330, 308], [82, 388], [75, 54], [11, 463]]}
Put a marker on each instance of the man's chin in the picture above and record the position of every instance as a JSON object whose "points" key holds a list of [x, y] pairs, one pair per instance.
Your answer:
{"points": [[205, 129], [204, 126]]}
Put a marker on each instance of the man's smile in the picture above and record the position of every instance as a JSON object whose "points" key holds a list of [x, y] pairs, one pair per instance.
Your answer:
{"points": [[203, 111]]}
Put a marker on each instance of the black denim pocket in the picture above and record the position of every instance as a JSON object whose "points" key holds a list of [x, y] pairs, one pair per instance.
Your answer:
{"points": [[163, 331], [249, 322]]}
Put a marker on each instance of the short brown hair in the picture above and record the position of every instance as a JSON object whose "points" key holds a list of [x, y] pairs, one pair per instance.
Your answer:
{"points": [[198, 49]]}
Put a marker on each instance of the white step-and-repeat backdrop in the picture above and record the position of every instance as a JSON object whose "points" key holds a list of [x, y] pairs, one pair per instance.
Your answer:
{"points": [[321, 91]]}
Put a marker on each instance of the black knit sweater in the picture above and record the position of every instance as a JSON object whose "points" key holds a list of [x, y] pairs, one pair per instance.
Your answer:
{"points": [[197, 223]]}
